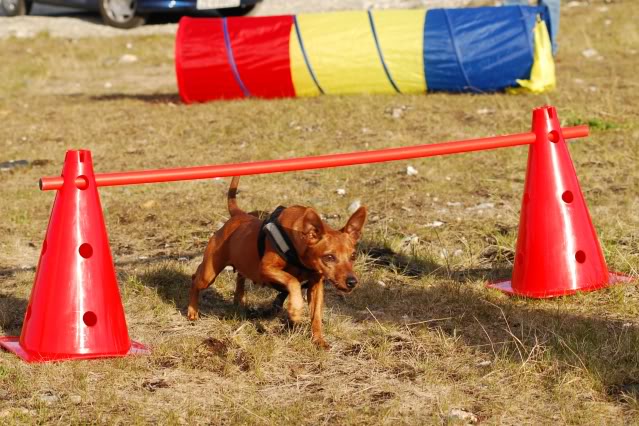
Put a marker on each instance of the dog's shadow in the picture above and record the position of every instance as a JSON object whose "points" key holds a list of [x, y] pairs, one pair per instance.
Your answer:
{"points": [[172, 285]]}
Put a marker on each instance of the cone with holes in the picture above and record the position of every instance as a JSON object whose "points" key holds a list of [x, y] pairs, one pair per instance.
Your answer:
{"points": [[557, 252], [75, 311]]}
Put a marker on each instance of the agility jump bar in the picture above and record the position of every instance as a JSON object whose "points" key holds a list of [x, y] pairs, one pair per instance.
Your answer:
{"points": [[308, 163]]}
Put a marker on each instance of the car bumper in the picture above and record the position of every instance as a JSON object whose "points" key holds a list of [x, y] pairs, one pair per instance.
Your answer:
{"points": [[170, 6]]}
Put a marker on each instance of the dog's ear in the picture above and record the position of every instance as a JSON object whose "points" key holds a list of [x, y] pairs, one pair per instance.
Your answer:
{"points": [[355, 224], [313, 227]]}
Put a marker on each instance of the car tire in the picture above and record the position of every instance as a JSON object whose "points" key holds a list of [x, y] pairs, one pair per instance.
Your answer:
{"points": [[16, 7], [120, 13]]}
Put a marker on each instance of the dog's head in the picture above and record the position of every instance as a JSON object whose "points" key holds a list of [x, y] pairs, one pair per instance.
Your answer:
{"points": [[331, 252]]}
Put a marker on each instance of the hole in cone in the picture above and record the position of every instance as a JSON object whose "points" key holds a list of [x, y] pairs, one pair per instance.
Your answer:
{"points": [[580, 256], [82, 182], [86, 250], [551, 113], [553, 136], [90, 318], [44, 247], [81, 156], [567, 197], [28, 315]]}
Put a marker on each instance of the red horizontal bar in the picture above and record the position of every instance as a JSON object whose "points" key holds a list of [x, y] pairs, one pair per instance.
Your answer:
{"points": [[306, 163]]}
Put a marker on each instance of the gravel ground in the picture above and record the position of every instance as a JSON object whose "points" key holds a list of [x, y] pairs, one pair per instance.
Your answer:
{"points": [[68, 23]]}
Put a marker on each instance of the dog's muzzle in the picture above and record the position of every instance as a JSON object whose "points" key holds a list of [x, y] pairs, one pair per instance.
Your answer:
{"points": [[351, 281]]}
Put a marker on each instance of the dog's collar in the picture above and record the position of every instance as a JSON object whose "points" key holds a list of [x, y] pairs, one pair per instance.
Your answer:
{"points": [[280, 240]]}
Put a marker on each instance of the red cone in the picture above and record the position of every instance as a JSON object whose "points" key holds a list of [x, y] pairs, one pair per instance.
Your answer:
{"points": [[75, 311], [558, 252]]}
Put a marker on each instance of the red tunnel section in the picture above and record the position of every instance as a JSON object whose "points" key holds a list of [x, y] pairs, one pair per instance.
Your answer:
{"points": [[253, 53]]}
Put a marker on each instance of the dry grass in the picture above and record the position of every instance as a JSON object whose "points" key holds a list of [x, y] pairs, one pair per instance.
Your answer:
{"points": [[420, 337]]}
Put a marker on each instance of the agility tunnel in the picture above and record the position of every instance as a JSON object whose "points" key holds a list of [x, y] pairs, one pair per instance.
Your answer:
{"points": [[484, 49]]}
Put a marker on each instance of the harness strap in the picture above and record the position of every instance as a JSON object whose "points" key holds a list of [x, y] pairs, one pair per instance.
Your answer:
{"points": [[272, 229]]}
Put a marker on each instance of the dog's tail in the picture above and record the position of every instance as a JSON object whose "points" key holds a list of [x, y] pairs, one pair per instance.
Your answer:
{"points": [[232, 202]]}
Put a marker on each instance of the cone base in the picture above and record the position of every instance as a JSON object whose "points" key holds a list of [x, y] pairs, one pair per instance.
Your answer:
{"points": [[12, 344], [506, 287]]}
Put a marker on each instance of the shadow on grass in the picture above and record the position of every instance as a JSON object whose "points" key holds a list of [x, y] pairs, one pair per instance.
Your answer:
{"points": [[522, 330], [153, 98], [173, 286], [12, 311], [415, 267]]}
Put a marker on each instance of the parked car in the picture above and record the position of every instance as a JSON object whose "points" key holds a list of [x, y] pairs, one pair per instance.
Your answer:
{"points": [[133, 13]]}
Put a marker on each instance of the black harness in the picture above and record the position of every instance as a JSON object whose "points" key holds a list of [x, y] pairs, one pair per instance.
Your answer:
{"points": [[272, 229]]}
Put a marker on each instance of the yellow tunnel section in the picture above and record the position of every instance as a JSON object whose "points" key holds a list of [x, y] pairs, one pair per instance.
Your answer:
{"points": [[358, 52]]}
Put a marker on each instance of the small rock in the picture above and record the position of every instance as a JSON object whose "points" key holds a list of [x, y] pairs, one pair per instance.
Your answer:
{"points": [[149, 204], [485, 111], [453, 203], [13, 164], [579, 81], [127, 58], [108, 85], [183, 259], [129, 45], [483, 363], [49, 398], [574, 3], [75, 399], [462, 415], [397, 112], [354, 206], [458, 252], [482, 206], [607, 22], [410, 240], [435, 224], [589, 53], [341, 191], [411, 171], [381, 283]]}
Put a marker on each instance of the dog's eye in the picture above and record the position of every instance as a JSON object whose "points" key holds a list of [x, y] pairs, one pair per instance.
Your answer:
{"points": [[328, 258]]}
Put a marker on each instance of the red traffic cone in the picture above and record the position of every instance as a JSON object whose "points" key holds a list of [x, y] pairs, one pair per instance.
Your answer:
{"points": [[558, 252], [75, 311]]}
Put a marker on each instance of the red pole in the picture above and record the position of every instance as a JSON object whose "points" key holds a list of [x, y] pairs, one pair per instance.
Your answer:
{"points": [[306, 163]]}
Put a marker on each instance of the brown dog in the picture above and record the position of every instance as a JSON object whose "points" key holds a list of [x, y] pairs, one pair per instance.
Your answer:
{"points": [[320, 254]]}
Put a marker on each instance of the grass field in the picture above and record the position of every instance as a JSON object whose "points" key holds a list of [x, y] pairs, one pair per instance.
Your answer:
{"points": [[420, 338]]}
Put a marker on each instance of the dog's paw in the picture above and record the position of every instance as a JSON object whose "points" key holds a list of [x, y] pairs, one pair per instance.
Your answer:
{"points": [[321, 343], [192, 314]]}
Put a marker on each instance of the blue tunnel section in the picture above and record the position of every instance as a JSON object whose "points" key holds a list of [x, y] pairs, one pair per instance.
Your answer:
{"points": [[480, 49]]}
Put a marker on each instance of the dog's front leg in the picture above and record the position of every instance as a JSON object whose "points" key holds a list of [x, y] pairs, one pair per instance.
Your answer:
{"points": [[272, 271], [315, 297]]}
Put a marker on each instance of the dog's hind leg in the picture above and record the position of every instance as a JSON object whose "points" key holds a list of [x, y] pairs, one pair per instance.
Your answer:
{"points": [[212, 264], [239, 298]]}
